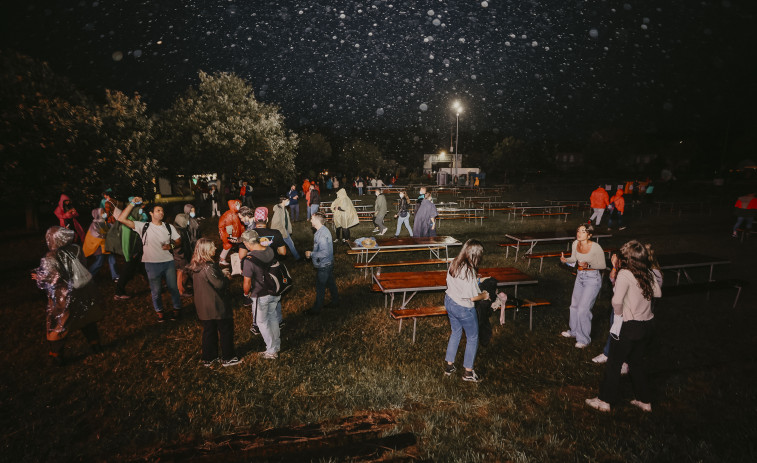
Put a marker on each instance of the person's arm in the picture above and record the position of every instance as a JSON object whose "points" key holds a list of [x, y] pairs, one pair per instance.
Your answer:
{"points": [[282, 250], [246, 286], [572, 258], [597, 257], [320, 248], [215, 277], [621, 288], [124, 216]]}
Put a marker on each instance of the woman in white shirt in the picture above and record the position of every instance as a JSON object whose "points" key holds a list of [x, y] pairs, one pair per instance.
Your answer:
{"points": [[462, 292], [635, 287], [590, 259]]}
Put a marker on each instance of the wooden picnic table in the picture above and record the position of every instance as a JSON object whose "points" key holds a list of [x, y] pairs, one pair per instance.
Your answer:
{"points": [[545, 209], [680, 262], [551, 236], [436, 280], [568, 203], [433, 243], [471, 199], [454, 212]]}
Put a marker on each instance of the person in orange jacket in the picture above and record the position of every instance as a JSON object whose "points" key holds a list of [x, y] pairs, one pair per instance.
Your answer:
{"points": [[599, 201], [618, 204], [746, 209], [230, 228]]}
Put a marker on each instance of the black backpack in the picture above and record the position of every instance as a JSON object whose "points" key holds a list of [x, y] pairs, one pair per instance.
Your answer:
{"points": [[275, 275]]}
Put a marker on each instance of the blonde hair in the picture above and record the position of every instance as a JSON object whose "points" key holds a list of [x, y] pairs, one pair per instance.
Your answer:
{"points": [[205, 250]]}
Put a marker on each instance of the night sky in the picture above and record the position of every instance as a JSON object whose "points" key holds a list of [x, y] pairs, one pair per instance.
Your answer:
{"points": [[535, 67]]}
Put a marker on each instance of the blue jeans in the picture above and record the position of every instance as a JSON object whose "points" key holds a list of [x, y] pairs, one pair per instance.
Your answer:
{"points": [[606, 351], [585, 291], [294, 211], [615, 217], [265, 315], [746, 220], [360, 191], [312, 209], [461, 318], [324, 276], [290, 245], [155, 273], [403, 220], [100, 260]]}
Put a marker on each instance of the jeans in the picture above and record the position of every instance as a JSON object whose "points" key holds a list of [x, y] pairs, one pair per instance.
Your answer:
{"points": [[211, 331], [324, 276], [100, 260], [294, 211], [312, 209], [629, 348], [585, 291], [747, 220], [606, 350], [290, 245], [403, 220], [266, 317], [155, 273], [615, 217], [360, 191], [461, 318], [598, 213]]}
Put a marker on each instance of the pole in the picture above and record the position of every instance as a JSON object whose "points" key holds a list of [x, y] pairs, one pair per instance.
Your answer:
{"points": [[457, 140]]}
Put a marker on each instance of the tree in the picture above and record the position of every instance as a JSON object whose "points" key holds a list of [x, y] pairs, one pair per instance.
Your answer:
{"points": [[360, 157], [313, 154], [220, 127]]}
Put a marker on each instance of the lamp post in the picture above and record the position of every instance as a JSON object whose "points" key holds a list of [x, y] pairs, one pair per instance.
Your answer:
{"points": [[458, 109]]}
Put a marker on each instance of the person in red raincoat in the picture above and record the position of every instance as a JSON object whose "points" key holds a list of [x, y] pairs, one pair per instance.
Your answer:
{"points": [[67, 216], [230, 228]]}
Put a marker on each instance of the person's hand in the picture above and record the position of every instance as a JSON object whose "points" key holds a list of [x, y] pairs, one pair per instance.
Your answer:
{"points": [[486, 295], [233, 239], [583, 264], [308, 253], [615, 260], [137, 200], [395, 216], [484, 278], [562, 257], [34, 275]]}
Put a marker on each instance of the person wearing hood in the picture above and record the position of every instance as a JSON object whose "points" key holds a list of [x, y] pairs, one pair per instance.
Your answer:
{"points": [[745, 210], [283, 223], [263, 296], [345, 215], [599, 200], [618, 204], [230, 228], [131, 247], [67, 215], [380, 210], [72, 298], [183, 253], [108, 203], [94, 244], [425, 217]]}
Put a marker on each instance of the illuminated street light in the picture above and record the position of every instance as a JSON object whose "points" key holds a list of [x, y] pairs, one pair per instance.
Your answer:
{"points": [[458, 109]]}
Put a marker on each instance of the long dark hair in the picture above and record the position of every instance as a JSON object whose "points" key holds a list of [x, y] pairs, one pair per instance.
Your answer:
{"points": [[468, 259], [634, 257]]}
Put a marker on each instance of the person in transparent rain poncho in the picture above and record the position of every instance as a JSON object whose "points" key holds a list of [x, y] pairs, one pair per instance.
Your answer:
{"points": [[72, 297]]}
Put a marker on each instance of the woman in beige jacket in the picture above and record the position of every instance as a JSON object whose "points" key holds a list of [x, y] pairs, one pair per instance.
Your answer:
{"points": [[345, 215]]}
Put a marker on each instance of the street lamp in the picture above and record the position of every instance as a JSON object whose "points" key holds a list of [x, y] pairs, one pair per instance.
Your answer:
{"points": [[458, 109]]}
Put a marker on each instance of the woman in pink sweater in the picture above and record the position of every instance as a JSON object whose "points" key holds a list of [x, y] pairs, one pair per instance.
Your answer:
{"points": [[635, 286]]}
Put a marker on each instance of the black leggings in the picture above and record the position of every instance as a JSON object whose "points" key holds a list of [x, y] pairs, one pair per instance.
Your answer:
{"points": [[344, 232]]}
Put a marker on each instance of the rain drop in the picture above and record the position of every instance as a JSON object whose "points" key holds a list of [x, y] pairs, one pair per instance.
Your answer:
{"points": [[117, 56], [380, 112], [424, 107]]}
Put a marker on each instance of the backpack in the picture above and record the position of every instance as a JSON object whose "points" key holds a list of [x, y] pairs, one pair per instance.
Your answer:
{"points": [[144, 232], [275, 275]]}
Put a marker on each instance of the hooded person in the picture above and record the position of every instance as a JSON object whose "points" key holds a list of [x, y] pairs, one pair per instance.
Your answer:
{"points": [[131, 247], [425, 218], [618, 204], [67, 216], [72, 298], [283, 223], [345, 215], [193, 225], [94, 244], [230, 228]]}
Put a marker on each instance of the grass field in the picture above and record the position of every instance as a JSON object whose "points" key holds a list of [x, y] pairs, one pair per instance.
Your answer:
{"points": [[147, 394]]}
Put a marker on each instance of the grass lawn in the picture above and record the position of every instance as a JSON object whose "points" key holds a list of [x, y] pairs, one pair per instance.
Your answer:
{"points": [[147, 395]]}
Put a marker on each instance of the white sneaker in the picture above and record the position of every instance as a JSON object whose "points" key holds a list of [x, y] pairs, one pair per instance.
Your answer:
{"points": [[624, 369], [383, 231], [642, 405], [566, 334], [601, 358], [580, 345], [375, 230]]}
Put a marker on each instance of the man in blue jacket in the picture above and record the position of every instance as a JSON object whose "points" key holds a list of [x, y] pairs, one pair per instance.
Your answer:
{"points": [[322, 256]]}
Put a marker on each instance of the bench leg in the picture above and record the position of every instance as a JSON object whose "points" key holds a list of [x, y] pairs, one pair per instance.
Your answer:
{"points": [[530, 317], [415, 322], [400, 330], [541, 262], [738, 293]]}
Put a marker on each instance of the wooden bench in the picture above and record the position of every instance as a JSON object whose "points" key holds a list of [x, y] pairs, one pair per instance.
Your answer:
{"points": [[706, 287], [542, 255], [401, 263], [545, 214], [357, 252], [514, 303]]}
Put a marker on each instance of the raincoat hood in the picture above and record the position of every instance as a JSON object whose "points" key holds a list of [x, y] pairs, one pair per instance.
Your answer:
{"points": [[181, 220], [234, 204], [341, 193], [63, 199], [188, 208], [57, 237]]}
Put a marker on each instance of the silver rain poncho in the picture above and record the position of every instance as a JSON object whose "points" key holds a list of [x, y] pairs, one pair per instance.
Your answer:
{"points": [[72, 301]]}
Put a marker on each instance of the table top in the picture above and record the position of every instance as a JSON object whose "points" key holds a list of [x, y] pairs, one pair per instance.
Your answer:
{"points": [[411, 242], [550, 236], [435, 280], [688, 259]]}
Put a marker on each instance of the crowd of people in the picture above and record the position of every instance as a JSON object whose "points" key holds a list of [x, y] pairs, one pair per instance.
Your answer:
{"points": [[175, 255]]}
